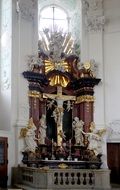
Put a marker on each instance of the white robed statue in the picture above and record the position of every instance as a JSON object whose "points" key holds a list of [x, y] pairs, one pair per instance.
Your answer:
{"points": [[28, 134], [77, 126], [42, 129]]}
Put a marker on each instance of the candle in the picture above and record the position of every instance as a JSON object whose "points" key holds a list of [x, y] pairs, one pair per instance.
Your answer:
{"points": [[70, 142]]}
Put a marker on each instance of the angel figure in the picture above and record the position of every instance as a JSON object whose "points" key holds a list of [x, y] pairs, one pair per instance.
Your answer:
{"points": [[77, 126], [28, 134], [50, 104], [95, 139], [42, 129]]}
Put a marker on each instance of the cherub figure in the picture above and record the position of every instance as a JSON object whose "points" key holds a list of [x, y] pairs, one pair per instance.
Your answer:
{"points": [[50, 104]]}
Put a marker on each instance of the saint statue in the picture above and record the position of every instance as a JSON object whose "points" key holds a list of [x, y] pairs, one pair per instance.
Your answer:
{"points": [[28, 134], [77, 126], [42, 129]]}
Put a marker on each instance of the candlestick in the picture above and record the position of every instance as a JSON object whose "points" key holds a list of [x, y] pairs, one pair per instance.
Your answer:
{"points": [[53, 157], [69, 157]]}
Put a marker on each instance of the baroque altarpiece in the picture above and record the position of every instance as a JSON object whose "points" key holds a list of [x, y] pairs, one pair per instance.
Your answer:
{"points": [[61, 106]]}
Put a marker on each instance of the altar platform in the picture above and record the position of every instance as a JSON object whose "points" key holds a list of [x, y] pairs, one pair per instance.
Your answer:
{"points": [[31, 178]]}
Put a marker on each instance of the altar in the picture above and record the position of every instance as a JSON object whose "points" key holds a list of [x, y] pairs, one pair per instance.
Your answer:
{"points": [[62, 146]]}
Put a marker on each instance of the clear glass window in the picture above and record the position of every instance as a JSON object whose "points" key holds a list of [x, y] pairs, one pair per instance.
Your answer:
{"points": [[53, 17]]}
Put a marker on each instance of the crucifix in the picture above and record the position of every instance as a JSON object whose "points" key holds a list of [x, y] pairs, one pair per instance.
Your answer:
{"points": [[59, 111]]}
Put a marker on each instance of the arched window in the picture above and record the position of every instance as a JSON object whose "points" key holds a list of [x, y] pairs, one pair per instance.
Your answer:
{"points": [[53, 18], [60, 17]]}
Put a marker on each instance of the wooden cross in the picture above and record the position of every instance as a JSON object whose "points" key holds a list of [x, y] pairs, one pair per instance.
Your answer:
{"points": [[59, 98]]}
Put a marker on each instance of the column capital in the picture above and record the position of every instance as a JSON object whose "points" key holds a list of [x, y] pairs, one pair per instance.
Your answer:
{"points": [[95, 23]]}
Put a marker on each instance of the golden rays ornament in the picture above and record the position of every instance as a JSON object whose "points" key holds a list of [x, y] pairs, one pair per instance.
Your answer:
{"points": [[59, 80], [57, 47]]}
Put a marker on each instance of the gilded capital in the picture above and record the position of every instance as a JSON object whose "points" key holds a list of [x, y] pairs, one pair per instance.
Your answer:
{"points": [[85, 98], [34, 94]]}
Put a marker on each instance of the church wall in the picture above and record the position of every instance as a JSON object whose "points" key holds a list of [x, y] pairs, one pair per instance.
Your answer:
{"points": [[96, 53], [5, 81], [112, 67], [100, 41], [25, 42], [92, 49], [5, 64]]}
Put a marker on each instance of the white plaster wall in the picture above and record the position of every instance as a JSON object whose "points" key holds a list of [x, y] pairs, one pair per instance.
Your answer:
{"points": [[104, 47], [112, 67], [6, 128], [92, 48], [95, 51], [5, 64], [27, 45]]}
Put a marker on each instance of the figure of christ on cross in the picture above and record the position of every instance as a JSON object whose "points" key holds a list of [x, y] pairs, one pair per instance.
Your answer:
{"points": [[59, 111]]}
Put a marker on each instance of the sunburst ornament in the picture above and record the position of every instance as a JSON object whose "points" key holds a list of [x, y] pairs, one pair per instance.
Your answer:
{"points": [[59, 80], [59, 66], [87, 65], [56, 47]]}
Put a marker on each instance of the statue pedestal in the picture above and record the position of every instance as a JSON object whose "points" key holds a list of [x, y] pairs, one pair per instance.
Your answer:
{"points": [[30, 178]]}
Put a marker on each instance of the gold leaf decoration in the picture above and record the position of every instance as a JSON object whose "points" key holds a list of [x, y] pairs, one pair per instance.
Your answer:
{"points": [[60, 66], [59, 80]]}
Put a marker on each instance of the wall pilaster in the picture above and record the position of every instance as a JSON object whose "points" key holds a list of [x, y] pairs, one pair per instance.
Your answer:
{"points": [[27, 40], [93, 22]]}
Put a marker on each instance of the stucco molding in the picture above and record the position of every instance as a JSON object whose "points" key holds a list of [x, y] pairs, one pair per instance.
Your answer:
{"points": [[114, 131], [94, 18], [95, 23], [26, 9]]}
